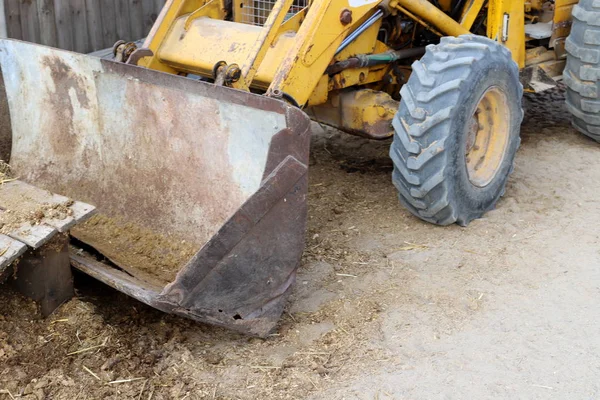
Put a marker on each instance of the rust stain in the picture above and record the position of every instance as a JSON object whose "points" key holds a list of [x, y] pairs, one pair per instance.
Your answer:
{"points": [[61, 111], [64, 79]]}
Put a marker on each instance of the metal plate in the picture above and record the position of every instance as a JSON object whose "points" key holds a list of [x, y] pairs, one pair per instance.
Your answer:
{"points": [[185, 160]]}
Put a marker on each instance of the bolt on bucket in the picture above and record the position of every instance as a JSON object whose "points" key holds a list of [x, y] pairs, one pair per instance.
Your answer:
{"points": [[200, 190]]}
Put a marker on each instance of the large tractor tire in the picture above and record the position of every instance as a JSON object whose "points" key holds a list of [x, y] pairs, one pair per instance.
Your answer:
{"points": [[457, 130], [582, 73]]}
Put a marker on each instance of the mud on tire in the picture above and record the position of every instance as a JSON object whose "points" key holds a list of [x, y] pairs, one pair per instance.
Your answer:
{"points": [[438, 105]]}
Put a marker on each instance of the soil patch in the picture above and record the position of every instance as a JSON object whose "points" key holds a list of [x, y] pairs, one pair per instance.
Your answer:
{"points": [[138, 250], [385, 306]]}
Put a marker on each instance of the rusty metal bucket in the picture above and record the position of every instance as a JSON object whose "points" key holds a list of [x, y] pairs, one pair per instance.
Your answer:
{"points": [[200, 190]]}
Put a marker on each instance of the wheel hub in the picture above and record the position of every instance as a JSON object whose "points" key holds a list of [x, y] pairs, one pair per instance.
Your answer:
{"points": [[487, 137]]}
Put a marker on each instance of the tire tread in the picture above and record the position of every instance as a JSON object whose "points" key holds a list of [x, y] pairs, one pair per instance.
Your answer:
{"points": [[582, 72], [422, 126]]}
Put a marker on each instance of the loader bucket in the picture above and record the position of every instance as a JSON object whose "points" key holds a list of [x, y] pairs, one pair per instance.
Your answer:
{"points": [[200, 190]]}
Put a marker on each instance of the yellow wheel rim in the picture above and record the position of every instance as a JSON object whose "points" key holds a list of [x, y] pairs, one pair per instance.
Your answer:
{"points": [[487, 137]]}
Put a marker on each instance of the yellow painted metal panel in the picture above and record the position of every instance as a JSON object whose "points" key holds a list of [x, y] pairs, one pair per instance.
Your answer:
{"points": [[432, 15], [471, 12], [172, 10], [501, 11], [206, 42], [445, 4], [264, 40], [209, 41], [562, 19], [316, 43]]}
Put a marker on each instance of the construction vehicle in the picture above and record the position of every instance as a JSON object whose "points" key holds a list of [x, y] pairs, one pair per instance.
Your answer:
{"points": [[194, 146]]}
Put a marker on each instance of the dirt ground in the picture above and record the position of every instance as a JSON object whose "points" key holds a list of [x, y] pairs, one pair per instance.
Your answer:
{"points": [[385, 306]]}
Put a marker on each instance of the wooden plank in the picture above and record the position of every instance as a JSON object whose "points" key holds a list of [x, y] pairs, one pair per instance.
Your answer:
{"points": [[82, 211], [136, 19], [26, 192], [109, 25], [81, 40], [94, 24], [47, 19], [30, 23], [30, 196], [60, 224], [144, 291], [32, 235], [10, 249], [64, 30], [122, 19], [13, 18]]}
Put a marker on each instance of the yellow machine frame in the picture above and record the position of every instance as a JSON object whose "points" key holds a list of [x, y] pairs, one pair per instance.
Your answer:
{"points": [[288, 57]]}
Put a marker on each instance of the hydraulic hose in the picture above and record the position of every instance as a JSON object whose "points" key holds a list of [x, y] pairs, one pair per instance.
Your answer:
{"points": [[369, 60]]}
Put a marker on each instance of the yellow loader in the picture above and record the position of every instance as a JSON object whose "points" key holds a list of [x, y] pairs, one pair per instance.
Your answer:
{"points": [[194, 146]]}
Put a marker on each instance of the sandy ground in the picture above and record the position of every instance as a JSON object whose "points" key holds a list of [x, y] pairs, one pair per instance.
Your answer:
{"points": [[385, 306]]}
